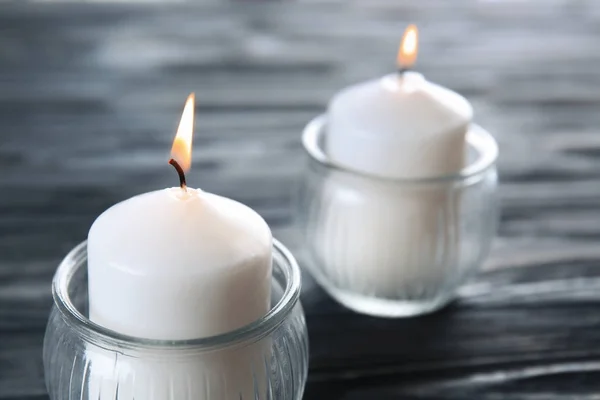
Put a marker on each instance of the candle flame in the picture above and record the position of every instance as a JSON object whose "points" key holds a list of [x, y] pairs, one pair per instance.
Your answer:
{"points": [[409, 47], [182, 145]]}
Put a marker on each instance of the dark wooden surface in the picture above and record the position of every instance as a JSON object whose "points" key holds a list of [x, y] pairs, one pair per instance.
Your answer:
{"points": [[90, 95]]}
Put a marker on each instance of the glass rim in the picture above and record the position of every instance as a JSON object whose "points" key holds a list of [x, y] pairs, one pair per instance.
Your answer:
{"points": [[282, 260], [477, 137]]}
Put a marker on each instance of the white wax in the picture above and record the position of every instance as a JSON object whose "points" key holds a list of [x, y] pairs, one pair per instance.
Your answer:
{"points": [[233, 373], [378, 237], [399, 126], [175, 265]]}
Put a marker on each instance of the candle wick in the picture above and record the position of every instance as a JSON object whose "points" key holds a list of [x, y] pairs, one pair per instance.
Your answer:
{"points": [[402, 71], [180, 172]]}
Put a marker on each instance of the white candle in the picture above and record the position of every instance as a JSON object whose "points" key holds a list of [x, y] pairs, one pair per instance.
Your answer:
{"points": [[399, 126], [377, 238], [177, 264]]}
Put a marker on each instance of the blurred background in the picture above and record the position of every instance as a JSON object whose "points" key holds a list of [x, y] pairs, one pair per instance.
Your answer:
{"points": [[91, 93]]}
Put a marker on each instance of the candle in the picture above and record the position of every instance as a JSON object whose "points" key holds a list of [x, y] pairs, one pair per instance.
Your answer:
{"points": [[400, 126], [376, 236], [178, 264]]}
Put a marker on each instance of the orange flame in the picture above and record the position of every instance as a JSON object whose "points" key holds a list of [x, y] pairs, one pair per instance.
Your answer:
{"points": [[182, 145], [409, 47]]}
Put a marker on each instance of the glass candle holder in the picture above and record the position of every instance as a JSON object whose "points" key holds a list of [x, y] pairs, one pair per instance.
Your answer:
{"points": [[267, 359], [396, 247]]}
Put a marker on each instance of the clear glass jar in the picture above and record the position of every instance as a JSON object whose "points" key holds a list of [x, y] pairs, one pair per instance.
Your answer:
{"points": [[393, 247], [267, 359]]}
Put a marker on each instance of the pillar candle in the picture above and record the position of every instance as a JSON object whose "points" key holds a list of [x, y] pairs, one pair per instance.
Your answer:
{"points": [[382, 233], [178, 264]]}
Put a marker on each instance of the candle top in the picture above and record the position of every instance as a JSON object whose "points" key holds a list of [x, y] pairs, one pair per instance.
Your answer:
{"points": [[179, 263], [399, 126], [164, 232], [399, 105]]}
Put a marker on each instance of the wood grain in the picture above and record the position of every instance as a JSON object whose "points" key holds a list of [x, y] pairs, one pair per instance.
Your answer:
{"points": [[90, 95]]}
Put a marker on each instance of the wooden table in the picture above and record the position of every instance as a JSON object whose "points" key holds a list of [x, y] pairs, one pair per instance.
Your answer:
{"points": [[90, 95]]}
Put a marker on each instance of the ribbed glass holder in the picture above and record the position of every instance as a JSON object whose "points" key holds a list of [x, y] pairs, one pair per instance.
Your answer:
{"points": [[396, 247], [267, 359]]}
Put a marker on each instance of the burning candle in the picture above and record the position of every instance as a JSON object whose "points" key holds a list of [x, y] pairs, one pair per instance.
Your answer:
{"points": [[378, 236], [178, 264], [399, 126]]}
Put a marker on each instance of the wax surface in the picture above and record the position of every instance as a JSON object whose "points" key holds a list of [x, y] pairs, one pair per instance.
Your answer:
{"points": [[398, 127], [175, 265]]}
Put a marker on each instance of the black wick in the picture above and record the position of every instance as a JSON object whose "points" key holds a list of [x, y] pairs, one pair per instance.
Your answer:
{"points": [[180, 172], [402, 70]]}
